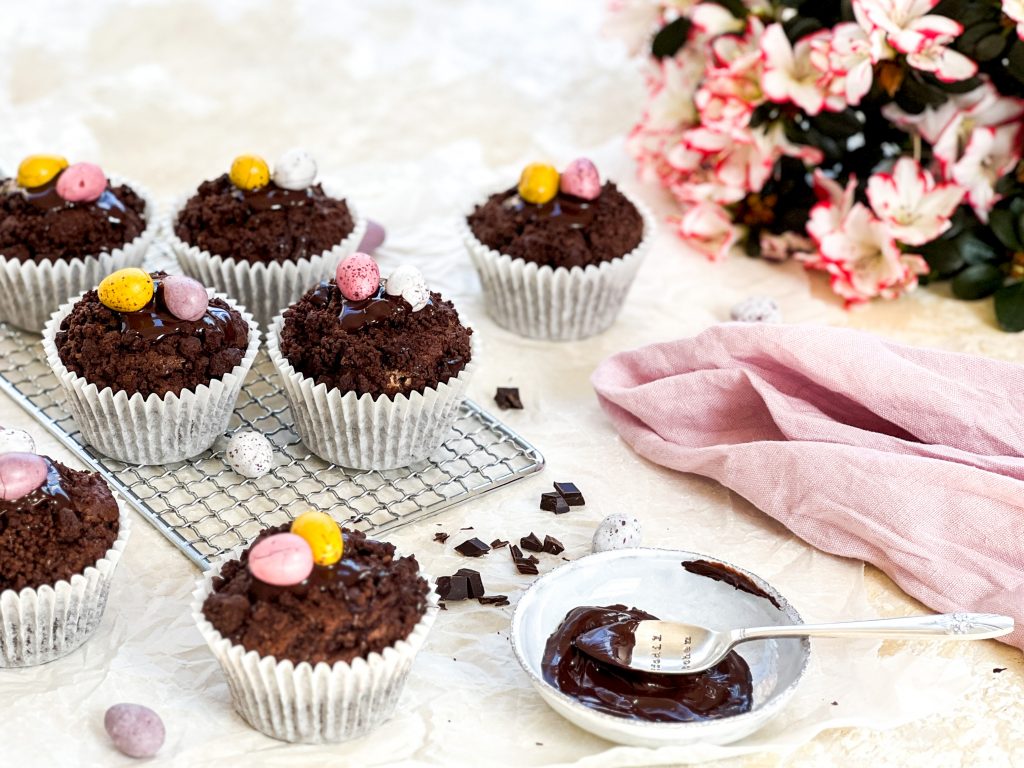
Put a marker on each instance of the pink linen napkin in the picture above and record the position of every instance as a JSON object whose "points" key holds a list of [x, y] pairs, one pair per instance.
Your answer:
{"points": [[910, 459]]}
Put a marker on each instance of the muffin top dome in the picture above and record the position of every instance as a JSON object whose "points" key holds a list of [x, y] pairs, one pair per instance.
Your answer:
{"points": [[56, 211]]}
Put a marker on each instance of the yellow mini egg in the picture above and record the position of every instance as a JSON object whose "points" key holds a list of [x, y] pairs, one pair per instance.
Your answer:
{"points": [[538, 183], [127, 290], [36, 170], [250, 172], [322, 534]]}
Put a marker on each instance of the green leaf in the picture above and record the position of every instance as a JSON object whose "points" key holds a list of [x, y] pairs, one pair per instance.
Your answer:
{"points": [[943, 257], [1009, 303], [976, 250], [1003, 224], [671, 38], [977, 282]]}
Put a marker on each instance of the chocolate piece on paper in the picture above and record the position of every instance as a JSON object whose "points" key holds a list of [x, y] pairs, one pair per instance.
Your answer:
{"points": [[472, 548], [531, 543], [526, 567], [453, 588], [498, 544], [549, 500], [476, 584], [498, 600], [440, 537], [553, 546], [508, 397], [570, 493]]}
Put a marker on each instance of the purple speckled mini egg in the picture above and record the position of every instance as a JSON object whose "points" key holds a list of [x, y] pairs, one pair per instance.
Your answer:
{"points": [[184, 297], [581, 179], [20, 474], [137, 731], [358, 277]]}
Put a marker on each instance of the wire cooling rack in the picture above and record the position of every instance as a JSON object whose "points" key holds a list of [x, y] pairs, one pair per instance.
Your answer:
{"points": [[206, 509]]}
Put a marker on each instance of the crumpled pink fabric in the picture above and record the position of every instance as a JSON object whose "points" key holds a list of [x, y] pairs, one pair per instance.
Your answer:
{"points": [[910, 459]]}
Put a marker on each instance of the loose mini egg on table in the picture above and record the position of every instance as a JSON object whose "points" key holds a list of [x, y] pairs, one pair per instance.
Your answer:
{"points": [[250, 454]]}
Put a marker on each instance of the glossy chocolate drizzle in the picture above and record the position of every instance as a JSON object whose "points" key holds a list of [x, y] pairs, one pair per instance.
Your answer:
{"points": [[355, 314], [272, 197], [45, 198], [153, 322], [724, 690], [577, 213], [725, 574]]}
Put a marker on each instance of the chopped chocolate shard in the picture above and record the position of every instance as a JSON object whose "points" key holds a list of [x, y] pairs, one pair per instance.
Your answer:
{"points": [[467, 528], [570, 493], [997, 670], [531, 543], [549, 500], [452, 587], [443, 607], [553, 546], [440, 537], [498, 544], [472, 548], [508, 397], [476, 584], [498, 600], [515, 552], [532, 559], [524, 566]]}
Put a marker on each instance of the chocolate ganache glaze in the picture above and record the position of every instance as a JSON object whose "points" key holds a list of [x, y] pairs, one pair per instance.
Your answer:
{"points": [[727, 575], [355, 314], [154, 322], [722, 691]]}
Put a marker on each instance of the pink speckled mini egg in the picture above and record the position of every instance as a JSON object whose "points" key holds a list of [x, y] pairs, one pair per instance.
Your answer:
{"points": [[282, 560], [358, 277], [81, 183], [184, 297], [20, 474], [581, 179]]}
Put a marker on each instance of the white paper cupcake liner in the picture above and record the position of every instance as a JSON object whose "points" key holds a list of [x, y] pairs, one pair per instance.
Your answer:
{"points": [[151, 430], [30, 292], [555, 304], [362, 433], [265, 289], [306, 703], [43, 624]]}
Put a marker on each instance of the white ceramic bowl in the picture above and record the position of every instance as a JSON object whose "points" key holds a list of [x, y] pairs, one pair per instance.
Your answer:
{"points": [[655, 581]]}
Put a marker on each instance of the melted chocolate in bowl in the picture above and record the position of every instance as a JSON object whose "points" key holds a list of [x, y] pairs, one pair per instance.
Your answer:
{"points": [[722, 691]]}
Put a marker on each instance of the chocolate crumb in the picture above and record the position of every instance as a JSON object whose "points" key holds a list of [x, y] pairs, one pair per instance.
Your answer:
{"points": [[498, 600], [553, 546], [997, 670], [508, 397], [467, 528], [498, 544], [443, 607], [570, 493], [472, 548], [440, 537], [835, 703], [531, 543]]}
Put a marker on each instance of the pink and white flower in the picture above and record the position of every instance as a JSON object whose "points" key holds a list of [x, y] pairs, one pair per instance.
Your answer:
{"points": [[790, 74], [921, 36], [847, 56], [834, 203], [916, 209], [731, 89], [1015, 10], [780, 247], [707, 230], [990, 153], [720, 167]]}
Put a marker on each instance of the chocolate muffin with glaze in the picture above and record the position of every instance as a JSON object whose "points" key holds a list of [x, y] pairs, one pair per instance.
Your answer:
{"points": [[57, 530], [377, 346], [150, 351], [366, 602], [38, 225], [268, 224], [565, 231]]}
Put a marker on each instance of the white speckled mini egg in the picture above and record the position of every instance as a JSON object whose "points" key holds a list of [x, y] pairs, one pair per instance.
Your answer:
{"points": [[617, 531], [756, 309], [16, 441], [249, 453], [295, 169], [408, 282]]}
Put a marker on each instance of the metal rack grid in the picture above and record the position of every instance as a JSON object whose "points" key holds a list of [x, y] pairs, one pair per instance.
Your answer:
{"points": [[205, 509]]}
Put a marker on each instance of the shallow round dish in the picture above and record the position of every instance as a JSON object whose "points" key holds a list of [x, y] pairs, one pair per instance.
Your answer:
{"points": [[654, 580]]}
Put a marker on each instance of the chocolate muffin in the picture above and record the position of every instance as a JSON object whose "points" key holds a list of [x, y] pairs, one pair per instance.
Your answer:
{"points": [[56, 531], [150, 351], [566, 231], [377, 346], [38, 224], [268, 224], [366, 602]]}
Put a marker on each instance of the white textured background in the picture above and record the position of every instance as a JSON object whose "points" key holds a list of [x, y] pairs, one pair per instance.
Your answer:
{"points": [[420, 107]]}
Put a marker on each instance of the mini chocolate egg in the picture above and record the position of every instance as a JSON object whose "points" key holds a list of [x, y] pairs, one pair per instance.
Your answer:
{"points": [[756, 309], [581, 179], [137, 731], [408, 282], [20, 474], [16, 441], [322, 534], [249, 172], [358, 277], [617, 531], [184, 297], [36, 170], [295, 169], [127, 290], [538, 183], [374, 237], [249, 453], [81, 183], [282, 560]]}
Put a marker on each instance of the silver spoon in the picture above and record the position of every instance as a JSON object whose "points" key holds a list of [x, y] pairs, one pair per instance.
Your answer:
{"points": [[670, 648]]}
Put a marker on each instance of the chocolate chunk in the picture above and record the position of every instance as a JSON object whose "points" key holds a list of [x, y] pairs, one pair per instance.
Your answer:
{"points": [[549, 500], [524, 566], [453, 588], [498, 544], [440, 537], [553, 546], [467, 528], [997, 670], [515, 552], [476, 584], [531, 543], [443, 606], [532, 559], [472, 548], [570, 493], [498, 600], [508, 397]]}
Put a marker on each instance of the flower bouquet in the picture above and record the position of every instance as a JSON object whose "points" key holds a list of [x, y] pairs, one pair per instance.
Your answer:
{"points": [[878, 141]]}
